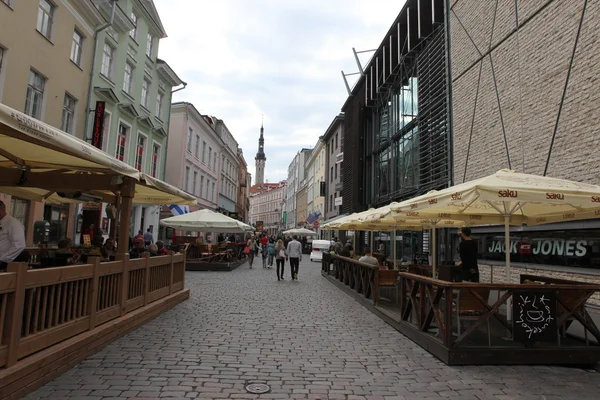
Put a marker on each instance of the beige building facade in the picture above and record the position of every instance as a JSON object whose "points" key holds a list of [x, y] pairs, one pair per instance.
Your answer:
{"points": [[266, 204], [45, 72]]}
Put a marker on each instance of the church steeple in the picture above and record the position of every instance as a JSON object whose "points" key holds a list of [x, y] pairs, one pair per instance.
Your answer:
{"points": [[260, 158]]}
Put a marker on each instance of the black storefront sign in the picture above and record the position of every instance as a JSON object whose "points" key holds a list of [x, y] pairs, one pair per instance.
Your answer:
{"points": [[534, 316], [98, 130]]}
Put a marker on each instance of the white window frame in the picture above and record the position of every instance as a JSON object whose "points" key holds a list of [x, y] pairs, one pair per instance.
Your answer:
{"points": [[127, 139], [108, 70], [203, 152], [195, 181], [186, 177], [77, 47], [133, 33], [202, 185], [159, 146], [45, 19], [149, 45], [144, 154], [145, 93], [190, 136], [34, 91], [128, 78], [69, 128], [197, 147], [160, 98]]}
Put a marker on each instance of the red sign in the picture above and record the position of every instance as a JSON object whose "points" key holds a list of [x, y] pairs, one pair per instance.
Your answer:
{"points": [[316, 224], [98, 129]]}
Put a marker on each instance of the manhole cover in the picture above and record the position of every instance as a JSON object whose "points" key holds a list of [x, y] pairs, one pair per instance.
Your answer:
{"points": [[258, 388]]}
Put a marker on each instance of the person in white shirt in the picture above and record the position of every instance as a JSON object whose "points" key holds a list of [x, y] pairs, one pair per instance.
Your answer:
{"points": [[12, 238], [294, 252], [368, 258]]}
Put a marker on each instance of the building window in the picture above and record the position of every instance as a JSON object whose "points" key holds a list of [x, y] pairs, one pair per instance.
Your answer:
{"points": [[107, 61], [194, 183], [149, 46], [214, 166], [121, 142], [68, 114], [128, 78], [159, 104], [45, 16], [155, 158], [336, 170], [139, 153], [209, 156], [145, 88], [331, 175], [76, 47], [133, 32], [35, 95], [336, 141], [189, 140], [197, 147], [187, 179], [212, 192], [203, 152], [201, 186]]}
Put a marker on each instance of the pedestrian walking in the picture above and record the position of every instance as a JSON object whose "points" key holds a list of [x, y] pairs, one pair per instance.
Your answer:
{"points": [[294, 252], [271, 252], [252, 246], [263, 249], [280, 257]]}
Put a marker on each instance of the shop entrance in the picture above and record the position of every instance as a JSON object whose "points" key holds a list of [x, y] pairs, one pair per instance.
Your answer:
{"points": [[91, 215]]}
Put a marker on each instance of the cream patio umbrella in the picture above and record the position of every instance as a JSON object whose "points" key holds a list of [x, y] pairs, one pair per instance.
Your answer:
{"points": [[301, 232], [508, 198], [206, 220]]}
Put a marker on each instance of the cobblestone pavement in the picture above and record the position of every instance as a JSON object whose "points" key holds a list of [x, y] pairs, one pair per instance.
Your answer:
{"points": [[306, 339]]}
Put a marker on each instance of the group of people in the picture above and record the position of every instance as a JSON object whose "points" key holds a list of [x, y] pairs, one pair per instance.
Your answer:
{"points": [[279, 249]]}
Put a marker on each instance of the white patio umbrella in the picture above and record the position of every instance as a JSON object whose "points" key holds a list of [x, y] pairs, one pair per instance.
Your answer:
{"points": [[206, 220], [301, 232]]}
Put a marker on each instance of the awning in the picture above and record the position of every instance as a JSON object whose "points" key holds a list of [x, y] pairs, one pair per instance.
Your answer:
{"points": [[38, 161], [206, 221], [334, 218]]}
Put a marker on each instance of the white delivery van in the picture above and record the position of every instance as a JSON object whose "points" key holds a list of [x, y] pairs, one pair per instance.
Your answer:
{"points": [[318, 248]]}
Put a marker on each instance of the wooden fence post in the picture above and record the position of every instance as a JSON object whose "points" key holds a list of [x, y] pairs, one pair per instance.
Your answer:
{"points": [[375, 287], [146, 277], [94, 292], [15, 307], [125, 283], [171, 273]]}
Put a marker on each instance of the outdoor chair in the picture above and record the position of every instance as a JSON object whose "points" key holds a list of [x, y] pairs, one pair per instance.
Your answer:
{"points": [[468, 307], [389, 279]]}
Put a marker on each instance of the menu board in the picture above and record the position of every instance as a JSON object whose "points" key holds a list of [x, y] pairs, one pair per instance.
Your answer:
{"points": [[534, 316]]}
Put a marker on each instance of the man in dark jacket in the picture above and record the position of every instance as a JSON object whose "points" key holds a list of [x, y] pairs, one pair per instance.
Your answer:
{"points": [[468, 257]]}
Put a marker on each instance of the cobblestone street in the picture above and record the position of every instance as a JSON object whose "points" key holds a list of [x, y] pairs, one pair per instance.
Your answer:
{"points": [[306, 339]]}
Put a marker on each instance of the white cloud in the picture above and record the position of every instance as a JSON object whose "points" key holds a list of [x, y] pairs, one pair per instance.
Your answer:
{"points": [[281, 59]]}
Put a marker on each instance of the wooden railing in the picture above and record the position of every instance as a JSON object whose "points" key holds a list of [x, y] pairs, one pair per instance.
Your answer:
{"points": [[40, 308], [438, 308], [361, 277]]}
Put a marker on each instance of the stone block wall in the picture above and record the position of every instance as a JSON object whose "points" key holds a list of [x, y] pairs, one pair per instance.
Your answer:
{"points": [[518, 81]]}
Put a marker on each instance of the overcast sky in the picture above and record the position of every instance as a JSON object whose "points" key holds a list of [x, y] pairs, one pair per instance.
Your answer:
{"points": [[277, 58]]}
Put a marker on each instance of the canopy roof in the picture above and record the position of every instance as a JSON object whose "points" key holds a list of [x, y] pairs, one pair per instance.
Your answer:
{"points": [[206, 220], [300, 231], [522, 198], [37, 161]]}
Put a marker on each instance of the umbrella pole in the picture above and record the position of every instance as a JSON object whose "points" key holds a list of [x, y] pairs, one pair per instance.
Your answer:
{"points": [[433, 253], [507, 267], [395, 255]]}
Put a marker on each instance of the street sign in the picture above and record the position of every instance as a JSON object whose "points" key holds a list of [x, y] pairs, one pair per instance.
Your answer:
{"points": [[316, 224]]}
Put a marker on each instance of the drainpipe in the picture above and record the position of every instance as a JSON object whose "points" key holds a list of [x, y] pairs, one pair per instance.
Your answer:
{"points": [[93, 71]]}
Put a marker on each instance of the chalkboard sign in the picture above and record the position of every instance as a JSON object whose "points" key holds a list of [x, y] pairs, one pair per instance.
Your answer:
{"points": [[534, 316], [421, 258]]}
